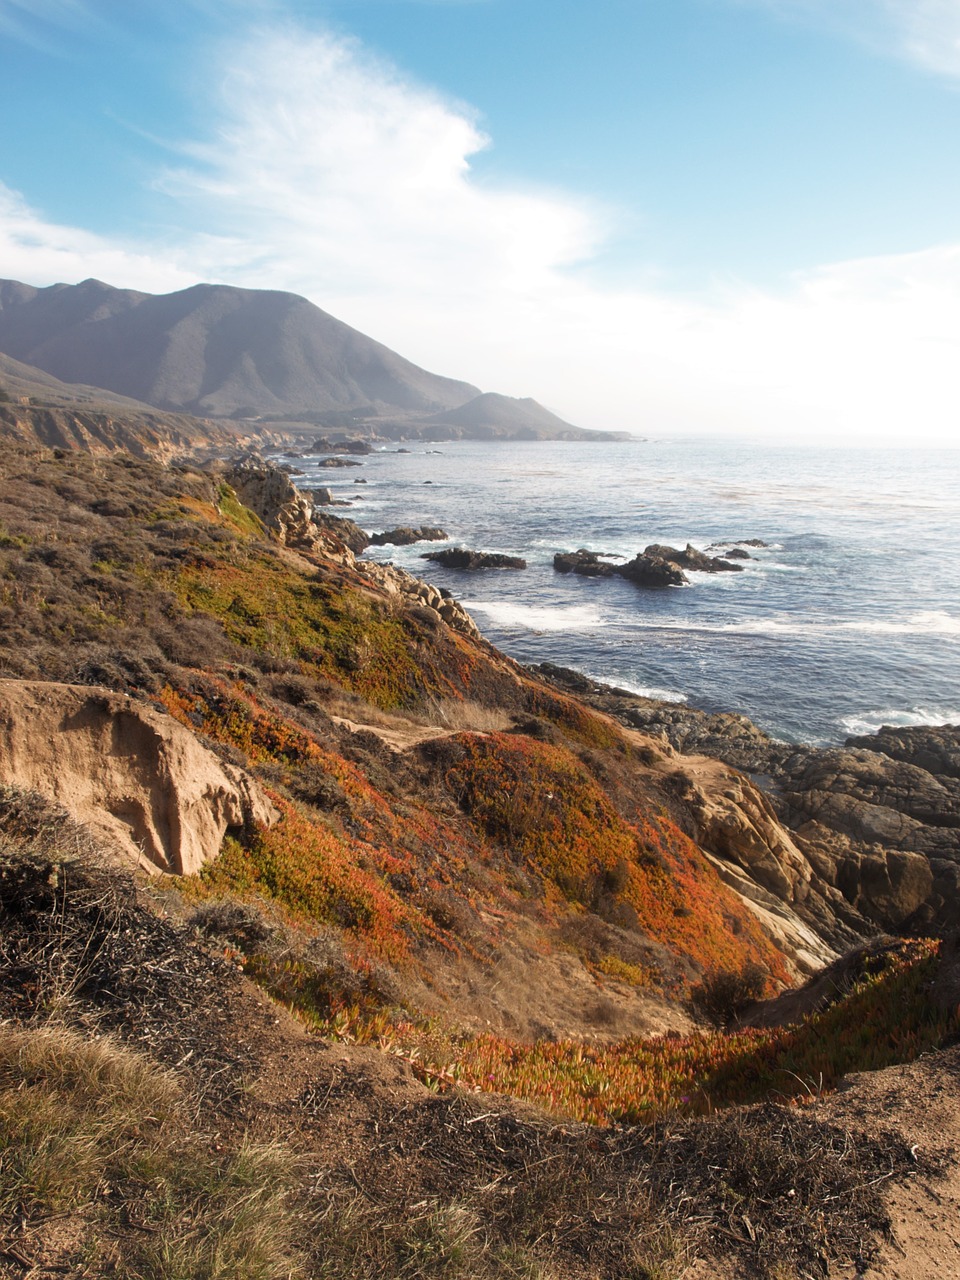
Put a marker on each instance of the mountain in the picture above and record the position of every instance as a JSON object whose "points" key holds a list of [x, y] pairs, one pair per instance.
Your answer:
{"points": [[496, 416], [214, 351], [222, 352]]}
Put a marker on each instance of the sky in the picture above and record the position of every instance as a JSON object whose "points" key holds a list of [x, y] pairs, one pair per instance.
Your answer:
{"points": [[670, 217]]}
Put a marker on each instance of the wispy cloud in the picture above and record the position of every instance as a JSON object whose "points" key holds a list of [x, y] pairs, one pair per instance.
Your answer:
{"points": [[354, 178], [34, 21], [924, 32], [327, 172]]}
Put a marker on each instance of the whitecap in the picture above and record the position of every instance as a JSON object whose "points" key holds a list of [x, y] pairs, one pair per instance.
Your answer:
{"points": [[640, 690], [533, 617], [931, 622], [871, 721]]}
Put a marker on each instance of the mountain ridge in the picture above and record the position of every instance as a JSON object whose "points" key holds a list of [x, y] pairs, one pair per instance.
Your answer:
{"points": [[221, 351]]}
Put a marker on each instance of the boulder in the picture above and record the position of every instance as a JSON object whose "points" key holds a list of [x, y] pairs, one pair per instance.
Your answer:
{"points": [[131, 772]]}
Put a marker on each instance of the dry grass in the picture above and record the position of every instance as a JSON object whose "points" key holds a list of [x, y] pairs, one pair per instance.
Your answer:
{"points": [[91, 1131]]}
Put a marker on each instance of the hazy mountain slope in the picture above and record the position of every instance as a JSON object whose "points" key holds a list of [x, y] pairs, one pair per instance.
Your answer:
{"points": [[213, 350], [505, 416], [19, 380], [39, 411]]}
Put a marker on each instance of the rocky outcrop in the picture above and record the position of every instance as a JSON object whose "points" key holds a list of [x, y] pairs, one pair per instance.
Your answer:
{"points": [[876, 799], [437, 605], [323, 445], [461, 558], [692, 559], [404, 536], [652, 571], [735, 822], [876, 822], [127, 770], [289, 514], [655, 566], [590, 564]]}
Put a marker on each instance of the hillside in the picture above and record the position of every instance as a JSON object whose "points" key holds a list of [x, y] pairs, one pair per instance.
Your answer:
{"points": [[460, 878], [39, 411]]}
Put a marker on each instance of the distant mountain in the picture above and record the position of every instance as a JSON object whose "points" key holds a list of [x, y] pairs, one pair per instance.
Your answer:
{"points": [[214, 351], [502, 417]]}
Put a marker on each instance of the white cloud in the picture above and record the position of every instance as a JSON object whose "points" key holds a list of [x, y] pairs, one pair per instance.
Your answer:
{"points": [[366, 177], [325, 172], [42, 252]]}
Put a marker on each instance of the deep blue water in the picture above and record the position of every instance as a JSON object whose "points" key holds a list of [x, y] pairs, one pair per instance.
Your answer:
{"points": [[850, 619]]}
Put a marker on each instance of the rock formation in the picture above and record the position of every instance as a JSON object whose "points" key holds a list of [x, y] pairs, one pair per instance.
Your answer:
{"points": [[404, 536], [876, 822], [655, 566], [461, 558], [289, 514]]}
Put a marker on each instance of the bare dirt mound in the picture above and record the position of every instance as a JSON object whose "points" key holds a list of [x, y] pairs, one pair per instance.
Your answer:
{"points": [[128, 771]]}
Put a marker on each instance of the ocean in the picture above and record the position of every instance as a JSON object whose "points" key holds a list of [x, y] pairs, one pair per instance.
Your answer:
{"points": [[848, 619]]}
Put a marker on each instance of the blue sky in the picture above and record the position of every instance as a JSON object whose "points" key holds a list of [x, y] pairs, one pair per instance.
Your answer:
{"points": [[666, 216]]}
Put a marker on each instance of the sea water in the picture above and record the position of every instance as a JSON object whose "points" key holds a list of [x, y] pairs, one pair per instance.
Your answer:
{"points": [[848, 619]]}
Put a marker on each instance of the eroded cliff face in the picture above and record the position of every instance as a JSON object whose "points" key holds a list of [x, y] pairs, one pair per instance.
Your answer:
{"points": [[126, 770]]}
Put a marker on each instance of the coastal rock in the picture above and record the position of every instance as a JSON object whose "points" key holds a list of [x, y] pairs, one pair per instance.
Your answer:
{"points": [[331, 463], [404, 536], [461, 558], [126, 769], [289, 514], [397, 582], [323, 445], [876, 798], [935, 748], [646, 570], [879, 829], [691, 559], [738, 545], [582, 561]]}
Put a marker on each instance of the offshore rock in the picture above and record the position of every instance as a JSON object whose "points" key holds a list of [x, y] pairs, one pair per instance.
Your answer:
{"points": [[647, 570], [588, 563], [404, 536], [692, 559], [133, 773], [461, 558]]}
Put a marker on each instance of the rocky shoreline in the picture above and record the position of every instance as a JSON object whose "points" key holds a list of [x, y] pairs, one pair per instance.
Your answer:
{"points": [[877, 819], [855, 839]]}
